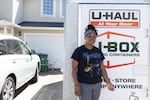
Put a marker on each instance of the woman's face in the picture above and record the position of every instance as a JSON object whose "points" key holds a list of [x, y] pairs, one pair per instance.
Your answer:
{"points": [[90, 38]]}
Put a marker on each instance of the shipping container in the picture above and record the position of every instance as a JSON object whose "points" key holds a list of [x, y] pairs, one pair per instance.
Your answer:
{"points": [[123, 36]]}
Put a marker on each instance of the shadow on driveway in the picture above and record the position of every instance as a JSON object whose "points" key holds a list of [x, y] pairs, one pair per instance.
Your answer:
{"points": [[21, 89], [50, 92], [51, 72]]}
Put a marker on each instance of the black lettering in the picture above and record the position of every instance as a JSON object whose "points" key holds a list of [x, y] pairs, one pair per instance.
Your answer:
{"points": [[124, 47], [100, 46], [117, 16], [112, 46], [107, 15], [103, 86], [96, 17], [126, 16], [134, 48], [133, 16], [120, 80], [129, 86]]}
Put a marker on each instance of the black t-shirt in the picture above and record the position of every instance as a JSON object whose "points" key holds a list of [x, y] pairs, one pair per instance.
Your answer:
{"points": [[89, 70]]}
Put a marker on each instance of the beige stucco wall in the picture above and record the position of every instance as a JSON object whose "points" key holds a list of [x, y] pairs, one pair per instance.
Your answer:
{"points": [[42, 31], [32, 12], [16, 11], [6, 10], [20, 33]]}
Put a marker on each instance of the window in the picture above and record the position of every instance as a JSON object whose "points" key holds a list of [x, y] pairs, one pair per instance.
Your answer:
{"points": [[17, 47], [62, 7], [13, 47], [48, 7], [25, 50], [2, 48]]}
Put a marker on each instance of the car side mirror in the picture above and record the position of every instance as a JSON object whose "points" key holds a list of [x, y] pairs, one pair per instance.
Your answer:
{"points": [[33, 52]]}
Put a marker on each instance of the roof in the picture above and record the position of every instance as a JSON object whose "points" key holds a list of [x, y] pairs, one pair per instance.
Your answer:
{"points": [[42, 24], [3, 36], [7, 23]]}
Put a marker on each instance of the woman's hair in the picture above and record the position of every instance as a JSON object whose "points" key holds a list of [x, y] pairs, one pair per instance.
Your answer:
{"points": [[90, 29]]}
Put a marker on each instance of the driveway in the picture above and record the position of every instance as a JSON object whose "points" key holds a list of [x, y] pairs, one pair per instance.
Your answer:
{"points": [[49, 87], [50, 92]]}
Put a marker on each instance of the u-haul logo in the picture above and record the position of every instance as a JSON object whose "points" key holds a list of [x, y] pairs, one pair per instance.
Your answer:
{"points": [[115, 18]]}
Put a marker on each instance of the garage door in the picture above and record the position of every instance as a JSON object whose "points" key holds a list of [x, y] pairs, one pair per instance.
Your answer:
{"points": [[51, 44]]}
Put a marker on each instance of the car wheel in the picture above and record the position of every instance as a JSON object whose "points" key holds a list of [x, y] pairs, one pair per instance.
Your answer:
{"points": [[8, 89], [35, 78]]}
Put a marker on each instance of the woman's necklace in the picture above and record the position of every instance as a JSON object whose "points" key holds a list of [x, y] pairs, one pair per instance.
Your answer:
{"points": [[88, 68]]}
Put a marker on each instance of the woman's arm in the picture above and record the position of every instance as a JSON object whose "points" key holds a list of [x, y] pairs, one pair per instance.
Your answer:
{"points": [[105, 77], [74, 76], [74, 71]]}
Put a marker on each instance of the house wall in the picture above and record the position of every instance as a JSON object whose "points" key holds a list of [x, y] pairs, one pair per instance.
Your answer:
{"points": [[35, 31], [11, 10], [32, 12], [51, 40], [6, 10], [17, 12]]}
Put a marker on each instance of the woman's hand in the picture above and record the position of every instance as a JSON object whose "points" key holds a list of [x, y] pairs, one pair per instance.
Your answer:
{"points": [[110, 87], [77, 90]]}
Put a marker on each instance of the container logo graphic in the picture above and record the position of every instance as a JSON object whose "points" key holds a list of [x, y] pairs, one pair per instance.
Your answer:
{"points": [[118, 48], [133, 97], [115, 18]]}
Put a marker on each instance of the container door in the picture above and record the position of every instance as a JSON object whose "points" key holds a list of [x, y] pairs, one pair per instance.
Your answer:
{"points": [[123, 38]]}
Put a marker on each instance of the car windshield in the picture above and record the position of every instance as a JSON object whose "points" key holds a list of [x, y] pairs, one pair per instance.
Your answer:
{"points": [[2, 48]]}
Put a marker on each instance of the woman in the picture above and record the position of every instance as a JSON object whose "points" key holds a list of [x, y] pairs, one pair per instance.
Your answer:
{"points": [[88, 67]]}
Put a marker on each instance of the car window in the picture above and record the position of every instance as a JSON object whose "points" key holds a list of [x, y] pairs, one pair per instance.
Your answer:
{"points": [[24, 48], [13, 47], [3, 49]]}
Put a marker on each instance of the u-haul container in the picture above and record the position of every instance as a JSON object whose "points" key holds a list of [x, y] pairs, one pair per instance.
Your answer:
{"points": [[123, 36]]}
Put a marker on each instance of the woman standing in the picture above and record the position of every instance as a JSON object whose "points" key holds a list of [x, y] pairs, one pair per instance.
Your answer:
{"points": [[88, 67]]}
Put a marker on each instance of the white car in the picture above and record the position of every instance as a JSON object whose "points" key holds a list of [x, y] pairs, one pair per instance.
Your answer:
{"points": [[18, 65]]}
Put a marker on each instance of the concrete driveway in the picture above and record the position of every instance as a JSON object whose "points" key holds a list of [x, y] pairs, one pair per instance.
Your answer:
{"points": [[50, 92], [49, 87]]}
